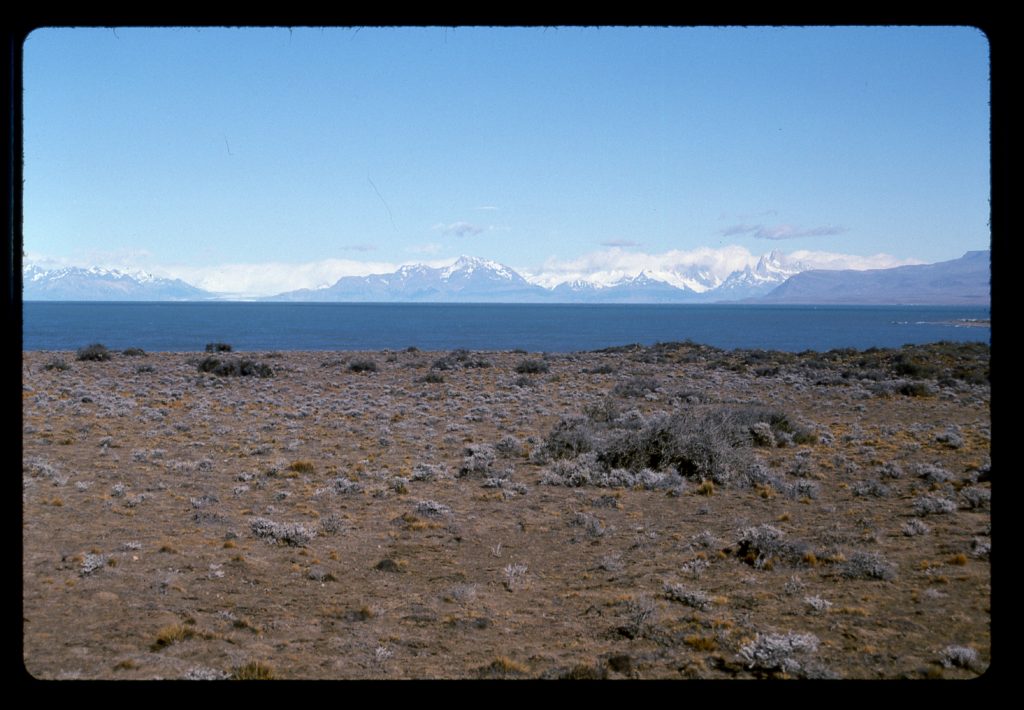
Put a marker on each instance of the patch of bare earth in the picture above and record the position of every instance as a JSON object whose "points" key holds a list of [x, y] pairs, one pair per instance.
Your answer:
{"points": [[674, 511]]}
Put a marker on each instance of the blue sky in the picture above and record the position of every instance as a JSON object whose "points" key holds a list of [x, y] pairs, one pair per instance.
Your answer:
{"points": [[255, 160]]}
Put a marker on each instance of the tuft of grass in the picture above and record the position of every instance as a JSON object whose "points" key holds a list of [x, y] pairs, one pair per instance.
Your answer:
{"points": [[701, 643], [503, 665], [171, 634], [582, 671], [253, 670], [707, 488], [302, 466]]}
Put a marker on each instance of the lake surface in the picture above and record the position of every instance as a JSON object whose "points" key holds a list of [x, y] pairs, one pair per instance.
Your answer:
{"points": [[183, 327]]}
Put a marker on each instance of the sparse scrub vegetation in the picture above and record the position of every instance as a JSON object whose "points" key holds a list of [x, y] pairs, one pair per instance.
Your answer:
{"points": [[636, 387], [394, 521], [218, 348], [640, 614]]}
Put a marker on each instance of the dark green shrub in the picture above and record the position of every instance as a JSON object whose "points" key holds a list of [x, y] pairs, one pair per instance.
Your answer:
{"points": [[96, 352], [218, 348], [235, 368], [134, 352], [363, 366], [914, 389], [532, 367], [911, 366]]}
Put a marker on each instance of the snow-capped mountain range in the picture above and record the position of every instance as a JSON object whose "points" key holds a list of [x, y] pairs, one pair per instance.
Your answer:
{"points": [[481, 280], [775, 278], [468, 279], [72, 283]]}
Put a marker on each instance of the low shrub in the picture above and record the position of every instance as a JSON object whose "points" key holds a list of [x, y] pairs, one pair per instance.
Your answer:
{"points": [[689, 597], [532, 367], [778, 652], [363, 366], [235, 368], [57, 363], [764, 544], [96, 352], [570, 438], [218, 348], [293, 534], [933, 505], [867, 565], [134, 352], [636, 387], [959, 656]]}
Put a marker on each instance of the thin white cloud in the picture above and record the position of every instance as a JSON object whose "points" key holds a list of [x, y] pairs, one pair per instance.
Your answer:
{"points": [[485, 208], [270, 278], [461, 229], [832, 260], [610, 265], [431, 248], [620, 243], [780, 231]]}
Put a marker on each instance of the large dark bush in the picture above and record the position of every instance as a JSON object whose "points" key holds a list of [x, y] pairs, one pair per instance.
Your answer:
{"points": [[532, 367], [570, 438], [363, 366], [96, 352], [235, 368]]}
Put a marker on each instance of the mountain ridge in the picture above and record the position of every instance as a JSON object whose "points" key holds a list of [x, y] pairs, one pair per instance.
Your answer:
{"points": [[775, 279]]}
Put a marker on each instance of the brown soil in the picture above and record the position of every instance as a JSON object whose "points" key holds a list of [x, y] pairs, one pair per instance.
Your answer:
{"points": [[333, 523]]}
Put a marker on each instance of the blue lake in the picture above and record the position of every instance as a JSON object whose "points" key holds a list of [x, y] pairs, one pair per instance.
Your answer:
{"points": [[533, 327]]}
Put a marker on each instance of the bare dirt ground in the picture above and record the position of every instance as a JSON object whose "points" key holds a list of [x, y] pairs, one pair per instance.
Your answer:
{"points": [[674, 511]]}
